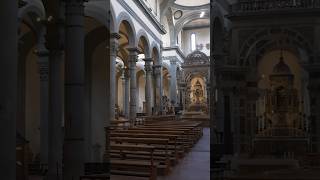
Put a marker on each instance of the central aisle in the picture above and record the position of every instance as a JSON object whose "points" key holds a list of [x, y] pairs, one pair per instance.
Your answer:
{"points": [[196, 165]]}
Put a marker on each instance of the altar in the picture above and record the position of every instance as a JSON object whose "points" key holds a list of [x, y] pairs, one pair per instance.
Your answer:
{"points": [[281, 126]]}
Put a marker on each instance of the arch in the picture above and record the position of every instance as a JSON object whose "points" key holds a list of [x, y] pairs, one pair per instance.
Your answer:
{"points": [[189, 18], [123, 17], [263, 40], [155, 53], [142, 35], [166, 65], [96, 10], [216, 12], [32, 6], [189, 76]]}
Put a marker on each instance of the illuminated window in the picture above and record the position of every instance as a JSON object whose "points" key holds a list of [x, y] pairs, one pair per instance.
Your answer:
{"points": [[193, 42]]}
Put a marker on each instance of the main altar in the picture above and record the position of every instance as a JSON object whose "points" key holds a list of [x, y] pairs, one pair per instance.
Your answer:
{"points": [[194, 87], [281, 127]]}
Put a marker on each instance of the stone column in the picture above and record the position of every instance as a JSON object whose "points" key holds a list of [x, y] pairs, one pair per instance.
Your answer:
{"points": [[112, 70], [314, 88], [54, 41], [133, 56], [148, 68], [43, 61], [173, 81], [8, 90], [125, 91], [158, 98], [74, 91], [55, 114]]}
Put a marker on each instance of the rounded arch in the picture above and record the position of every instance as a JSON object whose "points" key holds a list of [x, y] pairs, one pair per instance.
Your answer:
{"points": [[155, 53], [142, 36], [32, 6], [96, 10], [124, 18], [274, 38], [166, 65], [189, 76], [189, 18]]}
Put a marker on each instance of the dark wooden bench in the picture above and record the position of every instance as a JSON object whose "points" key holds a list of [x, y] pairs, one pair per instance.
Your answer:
{"points": [[139, 168]]}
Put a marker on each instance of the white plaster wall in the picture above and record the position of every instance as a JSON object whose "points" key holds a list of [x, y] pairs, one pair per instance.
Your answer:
{"points": [[141, 91], [166, 85], [120, 94], [202, 37]]}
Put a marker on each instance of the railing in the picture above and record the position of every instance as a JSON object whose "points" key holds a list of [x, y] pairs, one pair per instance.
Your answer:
{"points": [[271, 5]]}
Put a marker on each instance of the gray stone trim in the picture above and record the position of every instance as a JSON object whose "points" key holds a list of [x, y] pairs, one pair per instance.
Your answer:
{"points": [[196, 27], [136, 17], [176, 48], [201, 7]]}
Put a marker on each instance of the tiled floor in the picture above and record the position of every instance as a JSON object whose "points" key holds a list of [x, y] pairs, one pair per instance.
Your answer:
{"points": [[195, 166]]}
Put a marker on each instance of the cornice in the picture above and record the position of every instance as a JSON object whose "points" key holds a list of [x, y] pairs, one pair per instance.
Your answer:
{"points": [[201, 7], [177, 49]]}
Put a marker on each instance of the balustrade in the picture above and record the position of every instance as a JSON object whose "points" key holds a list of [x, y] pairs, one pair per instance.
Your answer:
{"points": [[269, 5]]}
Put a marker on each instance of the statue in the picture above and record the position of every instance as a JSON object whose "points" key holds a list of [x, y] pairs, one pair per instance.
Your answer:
{"points": [[198, 93]]}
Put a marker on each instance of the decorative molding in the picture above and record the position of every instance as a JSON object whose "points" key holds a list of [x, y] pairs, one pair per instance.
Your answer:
{"points": [[177, 49], [197, 27], [201, 7], [157, 24]]}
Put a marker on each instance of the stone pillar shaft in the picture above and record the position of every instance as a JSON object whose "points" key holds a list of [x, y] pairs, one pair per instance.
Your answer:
{"points": [[125, 89], [158, 87], [54, 35], [8, 90], [55, 115], [133, 55], [112, 70], [43, 61], [74, 91], [173, 82], [148, 68]]}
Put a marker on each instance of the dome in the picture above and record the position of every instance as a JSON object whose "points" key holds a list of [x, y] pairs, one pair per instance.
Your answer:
{"points": [[281, 68], [197, 58]]}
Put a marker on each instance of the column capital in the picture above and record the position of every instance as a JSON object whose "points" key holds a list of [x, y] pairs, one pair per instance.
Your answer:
{"points": [[133, 50], [147, 65], [148, 60], [173, 61], [133, 56], [116, 36], [125, 73], [114, 48], [41, 52], [157, 69]]}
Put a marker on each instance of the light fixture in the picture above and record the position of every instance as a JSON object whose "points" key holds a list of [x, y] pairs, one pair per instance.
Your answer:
{"points": [[202, 14]]}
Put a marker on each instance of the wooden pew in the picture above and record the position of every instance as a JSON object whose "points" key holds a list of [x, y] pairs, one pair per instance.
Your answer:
{"points": [[163, 157], [179, 151], [134, 167], [186, 138]]}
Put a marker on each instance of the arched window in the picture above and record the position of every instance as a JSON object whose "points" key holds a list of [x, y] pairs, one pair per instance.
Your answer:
{"points": [[193, 42]]}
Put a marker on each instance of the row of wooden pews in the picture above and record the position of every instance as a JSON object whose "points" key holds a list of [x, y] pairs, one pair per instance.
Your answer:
{"points": [[151, 149]]}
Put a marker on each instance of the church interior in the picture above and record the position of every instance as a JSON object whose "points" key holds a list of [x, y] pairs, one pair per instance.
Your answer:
{"points": [[160, 90]]}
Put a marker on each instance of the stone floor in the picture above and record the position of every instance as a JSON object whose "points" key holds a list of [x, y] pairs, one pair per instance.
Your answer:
{"points": [[194, 166]]}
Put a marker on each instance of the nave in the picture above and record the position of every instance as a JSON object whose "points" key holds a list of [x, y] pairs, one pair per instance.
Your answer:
{"points": [[192, 161]]}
